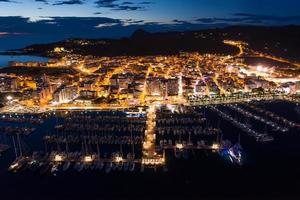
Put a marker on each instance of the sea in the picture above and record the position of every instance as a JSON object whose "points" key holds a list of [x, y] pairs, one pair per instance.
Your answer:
{"points": [[17, 42], [269, 171]]}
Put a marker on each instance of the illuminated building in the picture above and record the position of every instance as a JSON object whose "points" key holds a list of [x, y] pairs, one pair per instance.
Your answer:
{"points": [[297, 84], [155, 87], [172, 87], [88, 94], [200, 88], [65, 94]]}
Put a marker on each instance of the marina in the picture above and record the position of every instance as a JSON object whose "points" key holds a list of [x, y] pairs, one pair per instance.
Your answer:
{"points": [[111, 141]]}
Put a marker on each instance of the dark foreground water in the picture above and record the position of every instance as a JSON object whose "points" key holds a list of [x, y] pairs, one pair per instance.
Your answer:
{"points": [[271, 171]]}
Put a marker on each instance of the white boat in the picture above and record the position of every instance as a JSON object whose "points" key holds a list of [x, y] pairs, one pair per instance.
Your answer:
{"points": [[265, 138], [131, 166], [235, 154], [17, 164], [55, 169]]}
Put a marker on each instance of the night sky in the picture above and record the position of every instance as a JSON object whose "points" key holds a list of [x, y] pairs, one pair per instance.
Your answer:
{"points": [[59, 19], [151, 11]]}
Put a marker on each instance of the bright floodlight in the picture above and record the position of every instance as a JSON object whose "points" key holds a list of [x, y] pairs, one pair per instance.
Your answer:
{"points": [[259, 68], [9, 98]]}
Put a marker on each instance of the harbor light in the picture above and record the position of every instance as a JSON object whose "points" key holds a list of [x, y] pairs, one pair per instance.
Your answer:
{"points": [[88, 159], [13, 166], [215, 146], [9, 98], [58, 158], [179, 146], [118, 159]]}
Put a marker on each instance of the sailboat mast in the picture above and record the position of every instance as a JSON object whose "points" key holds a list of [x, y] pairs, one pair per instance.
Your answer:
{"points": [[19, 142], [15, 146]]}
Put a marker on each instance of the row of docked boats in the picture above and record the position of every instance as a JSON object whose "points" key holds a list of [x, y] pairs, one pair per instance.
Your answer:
{"points": [[170, 144], [274, 116], [193, 130], [104, 119], [174, 120], [185, 121], [274, 125], [57, 162], [109, 127], [259, 137], [36, 120], [94, 139], [11, 130]]}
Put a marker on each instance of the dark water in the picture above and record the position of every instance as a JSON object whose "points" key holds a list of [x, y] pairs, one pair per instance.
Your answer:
{"points": [[271, 171], [5, 59], [17, 42]]}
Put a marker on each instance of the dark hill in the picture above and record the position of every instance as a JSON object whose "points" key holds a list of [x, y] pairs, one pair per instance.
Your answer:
{"points": [[140, 43], [280, 41]]}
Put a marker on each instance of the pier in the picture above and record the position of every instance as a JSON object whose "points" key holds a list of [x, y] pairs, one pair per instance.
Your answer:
{"points": [[259, 137], [150, 156]]}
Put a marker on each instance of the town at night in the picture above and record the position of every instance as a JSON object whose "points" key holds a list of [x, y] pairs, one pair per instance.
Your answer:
{"points": [[149, 100]]}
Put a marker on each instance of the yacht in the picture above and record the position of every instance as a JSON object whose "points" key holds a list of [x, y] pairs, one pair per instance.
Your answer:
{"points": [[235, 154], [55, 169], [131, 166], [265, 138], [18, 164]]}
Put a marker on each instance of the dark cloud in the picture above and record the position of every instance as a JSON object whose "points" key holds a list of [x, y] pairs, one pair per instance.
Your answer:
{"points": [[106, 3], [8, 1], [248, 18], [88, 27], [215, 20], [206, 20], [127, 3], [146, 2], [129, 22], [128, 8], [43, 1], [120, 6], [68, 2], [181, 21]]}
